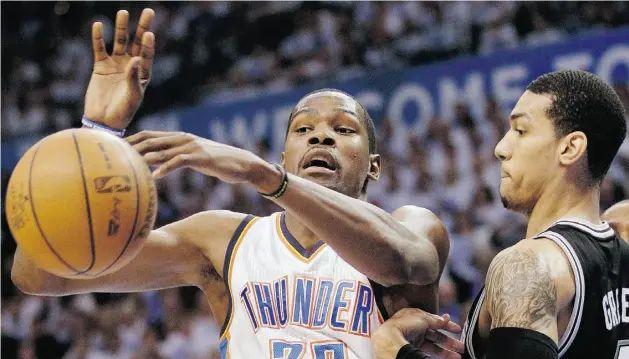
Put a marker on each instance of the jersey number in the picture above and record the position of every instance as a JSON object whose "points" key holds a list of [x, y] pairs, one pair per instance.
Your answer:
{"points": [[282, 349]]}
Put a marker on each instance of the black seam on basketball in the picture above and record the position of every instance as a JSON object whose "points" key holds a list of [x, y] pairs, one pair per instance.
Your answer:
{"points": [[41, 232], [137, 211], [87, 205]]}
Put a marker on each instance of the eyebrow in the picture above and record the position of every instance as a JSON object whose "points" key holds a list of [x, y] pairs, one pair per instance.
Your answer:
{"points": [[517, 115], [315, 112]]}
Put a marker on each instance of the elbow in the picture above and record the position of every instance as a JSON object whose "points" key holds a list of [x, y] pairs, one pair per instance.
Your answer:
{"points": [[25, 285], [32, 284], [421, 270], [405, 271]]}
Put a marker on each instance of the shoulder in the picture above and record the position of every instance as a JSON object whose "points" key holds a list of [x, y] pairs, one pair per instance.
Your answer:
{"points": [[422, 221], [205, 228], [540, 261]]}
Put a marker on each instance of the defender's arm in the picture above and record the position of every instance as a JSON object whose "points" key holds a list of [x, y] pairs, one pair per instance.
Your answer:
{"points": [[527, 285]]}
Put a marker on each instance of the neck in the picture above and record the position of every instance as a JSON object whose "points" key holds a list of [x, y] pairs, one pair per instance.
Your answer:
{"points": [[564, 200], [302, 234]]}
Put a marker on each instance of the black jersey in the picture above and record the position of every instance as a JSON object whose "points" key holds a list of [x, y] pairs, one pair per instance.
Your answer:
{"points": [[599, 323]]}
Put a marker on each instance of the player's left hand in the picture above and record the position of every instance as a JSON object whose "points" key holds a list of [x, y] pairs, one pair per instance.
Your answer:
{"points": [[172, 150], [420, 328]]}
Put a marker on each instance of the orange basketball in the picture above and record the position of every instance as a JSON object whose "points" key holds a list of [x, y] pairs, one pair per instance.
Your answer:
{"points": [[81, 203]]}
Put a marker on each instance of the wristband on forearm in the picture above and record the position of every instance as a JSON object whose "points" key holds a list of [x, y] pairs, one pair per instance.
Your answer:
{"points": [[97, 126]]}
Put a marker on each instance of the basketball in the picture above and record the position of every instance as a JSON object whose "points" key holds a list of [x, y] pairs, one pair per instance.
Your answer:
{"points": [[81, 203]]}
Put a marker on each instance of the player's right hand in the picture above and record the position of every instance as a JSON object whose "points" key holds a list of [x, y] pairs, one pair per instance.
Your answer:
{"points": [[118, 82], [420, 328]]}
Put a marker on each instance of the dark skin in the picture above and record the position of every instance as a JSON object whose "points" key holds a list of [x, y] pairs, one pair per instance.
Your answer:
{"points": [[411, 244]]}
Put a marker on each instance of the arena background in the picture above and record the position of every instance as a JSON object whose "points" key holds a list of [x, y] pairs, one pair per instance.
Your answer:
{"points": [[438, 78]]}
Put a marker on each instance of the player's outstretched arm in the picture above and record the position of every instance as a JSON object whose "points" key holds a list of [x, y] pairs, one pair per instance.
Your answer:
{"points": [[409, 246], [189, 252], [526, 286]]}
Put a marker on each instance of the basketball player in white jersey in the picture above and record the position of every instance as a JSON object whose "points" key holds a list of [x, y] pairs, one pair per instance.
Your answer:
{"points": [[312, 282]]}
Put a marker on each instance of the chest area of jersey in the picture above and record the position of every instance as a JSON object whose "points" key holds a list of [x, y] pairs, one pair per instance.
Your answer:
{"points": [[328, 297]]}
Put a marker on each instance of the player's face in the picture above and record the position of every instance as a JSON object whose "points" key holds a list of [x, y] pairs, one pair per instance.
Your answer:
{"points": [[528, 152], [327, 143]]}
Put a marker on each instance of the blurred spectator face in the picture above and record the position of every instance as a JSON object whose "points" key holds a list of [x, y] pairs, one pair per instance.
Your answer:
{"points": [[111, 342], [392, 174], [525, 170], [539, 23], [328, 143], [491, 108], [438, 130]]}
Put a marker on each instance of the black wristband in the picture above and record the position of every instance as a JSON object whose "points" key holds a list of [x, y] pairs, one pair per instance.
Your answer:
{"points": [[520, 343], [410, 352], [280, 191]]}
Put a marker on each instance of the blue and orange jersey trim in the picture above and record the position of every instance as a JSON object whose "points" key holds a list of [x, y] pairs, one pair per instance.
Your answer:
{"points": [[303, 254], [230, 254]]}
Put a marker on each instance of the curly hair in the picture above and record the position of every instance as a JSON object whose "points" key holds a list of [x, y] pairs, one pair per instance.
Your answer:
{"points": [[584, 102]]}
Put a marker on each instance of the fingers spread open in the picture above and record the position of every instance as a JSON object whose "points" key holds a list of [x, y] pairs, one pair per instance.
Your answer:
{"points": [[144, 25], [121, 34], [147, 52], [98, 43]]}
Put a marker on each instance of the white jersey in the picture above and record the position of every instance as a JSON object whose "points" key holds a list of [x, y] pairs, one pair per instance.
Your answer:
{"points": [[290, 303]]}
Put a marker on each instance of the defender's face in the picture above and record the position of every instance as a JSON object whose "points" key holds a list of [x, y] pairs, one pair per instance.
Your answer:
{"points": [[528, 152], [327, 143]]}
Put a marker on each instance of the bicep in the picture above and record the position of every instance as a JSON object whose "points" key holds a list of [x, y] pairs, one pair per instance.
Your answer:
{"points": [[189, 252], [522, 291], [165, 261]]}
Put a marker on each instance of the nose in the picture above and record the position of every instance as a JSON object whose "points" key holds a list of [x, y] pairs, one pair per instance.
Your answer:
{"points": [[322, 135], [501, 151]]}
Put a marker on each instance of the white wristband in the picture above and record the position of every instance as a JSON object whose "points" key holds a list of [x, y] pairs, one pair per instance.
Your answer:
{"points": [[97, 126]]}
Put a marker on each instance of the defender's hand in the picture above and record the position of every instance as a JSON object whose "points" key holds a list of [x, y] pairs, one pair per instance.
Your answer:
{"points": [[172, 150], [118, 82], [420, 328]]}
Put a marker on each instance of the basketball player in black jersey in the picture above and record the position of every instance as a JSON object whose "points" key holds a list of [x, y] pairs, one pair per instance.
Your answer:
{"points": [[564, 290]]}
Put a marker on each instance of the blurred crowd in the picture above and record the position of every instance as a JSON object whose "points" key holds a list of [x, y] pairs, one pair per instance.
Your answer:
{"points": [[217, 51], [223, 51]]}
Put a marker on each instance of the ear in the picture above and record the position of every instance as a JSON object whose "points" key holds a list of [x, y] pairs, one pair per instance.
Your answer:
{"points": [[572, 147], [282, 158], [374, 167]]}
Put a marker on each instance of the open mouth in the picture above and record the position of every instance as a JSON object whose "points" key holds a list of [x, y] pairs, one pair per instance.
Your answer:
{"points": [[321, 163]]}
